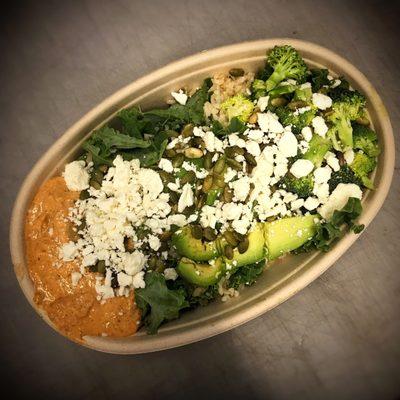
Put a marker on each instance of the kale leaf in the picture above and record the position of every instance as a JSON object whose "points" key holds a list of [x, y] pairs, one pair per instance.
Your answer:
{"points": [[246, 275], [157, 303]]}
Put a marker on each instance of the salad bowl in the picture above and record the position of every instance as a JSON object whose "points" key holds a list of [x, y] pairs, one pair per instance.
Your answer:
{"points": [[283, 277]]}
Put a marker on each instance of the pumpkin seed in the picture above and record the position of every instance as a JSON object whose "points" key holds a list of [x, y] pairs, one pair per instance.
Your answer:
{"points": [[279, 102], [227, 195], [243, 245], [200, 201], [249, 168], [192, 152], [207, 184], [129, 244], [152, 262], [97, 175], [189, 210], [236, 72], [363, 121], [219, 166], [94, 184], [253, 118], [209, 234], [197, 231], [159, 265], [103, 168], [173, 198], [187, 130], [294, 105], [208, 161], [170, 133], [230, 238], [234, 164], [189, 177], [84, 195], [169, 153], [165, 177], [228, 251], [101, 266], [178, 160], [239, 150], [166, 235], [250, 159], [219, 181], [198, 142]]}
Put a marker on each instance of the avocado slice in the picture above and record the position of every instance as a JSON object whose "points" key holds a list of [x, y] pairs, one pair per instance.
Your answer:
{"points": [[256, 251], [201, 274], [287, 234], [195, 249]]}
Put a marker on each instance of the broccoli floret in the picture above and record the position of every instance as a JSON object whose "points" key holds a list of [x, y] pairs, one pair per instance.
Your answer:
{"points": [[238, 106], [303, 187], [346, 108], [319, 78], [258, 88], [318, 147], [303, 93], [298, 121], [344, 175], [287, 64], [365, 139], [282, 90], [362, 166]]}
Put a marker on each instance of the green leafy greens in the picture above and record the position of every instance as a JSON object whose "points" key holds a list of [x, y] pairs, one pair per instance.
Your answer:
{"points": [[158, 303]]}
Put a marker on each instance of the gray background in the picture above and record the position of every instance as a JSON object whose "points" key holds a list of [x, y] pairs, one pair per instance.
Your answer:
{"points": [[337, 339]]}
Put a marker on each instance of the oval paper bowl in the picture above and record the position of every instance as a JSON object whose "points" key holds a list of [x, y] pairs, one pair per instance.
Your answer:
{"points": [[283, 278]]}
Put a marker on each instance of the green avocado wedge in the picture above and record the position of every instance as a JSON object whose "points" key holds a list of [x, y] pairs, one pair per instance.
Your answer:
{"points": [[195, 249], [256, 250], [287, 234], [201, 274]]}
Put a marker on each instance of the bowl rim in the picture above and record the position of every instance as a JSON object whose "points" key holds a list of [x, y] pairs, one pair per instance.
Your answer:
{"points": [[276, 297]]}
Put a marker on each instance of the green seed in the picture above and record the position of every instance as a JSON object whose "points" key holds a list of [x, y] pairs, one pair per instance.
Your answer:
{"points": [[239, 237], [169, 153], [209, 234], [228, 251], [363, 121], [101, 266], [219, 181], [171, 133], [129, 244], [250, 159], [207, 183], [97, 175], [94, 184], [178, 160], [152, 262], [227, 195], [243, 245], [208, 161], [200, 201], [249, 168], [84, 195], [197, 142], [238, 150], [230, 238], [236, 72], [219, 166], [230, 152], [189, 210], [103, 168], [187, 130], [192, 152], [197, 231], [173, 198], [160, 266], [279, 102], [165, 177], [234, 164], [189, 177], [294, 105], [166, 235]]}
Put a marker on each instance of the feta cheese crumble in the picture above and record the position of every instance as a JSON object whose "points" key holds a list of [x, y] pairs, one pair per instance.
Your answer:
{"points": [[319, 125], [180, 97], [76, 176]]}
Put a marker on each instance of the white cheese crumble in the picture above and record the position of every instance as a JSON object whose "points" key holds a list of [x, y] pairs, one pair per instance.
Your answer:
{"points": [[301, 168], [269, 122], [75, 278], [166, 165], [321, 101], [187, 198], [319, 125], [322, 174], [307, 133], [76, 176], [287, 145], [262, 103], [338, 198], [180, 97], [170, 274], [348, 156], [332, 161], [311, 203]]}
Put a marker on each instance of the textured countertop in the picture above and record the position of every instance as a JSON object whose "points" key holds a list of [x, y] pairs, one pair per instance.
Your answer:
{"points": [[337, 339]]}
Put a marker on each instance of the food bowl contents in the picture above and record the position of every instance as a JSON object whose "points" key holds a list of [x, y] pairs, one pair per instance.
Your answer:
{"points": [[169, 209]]}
